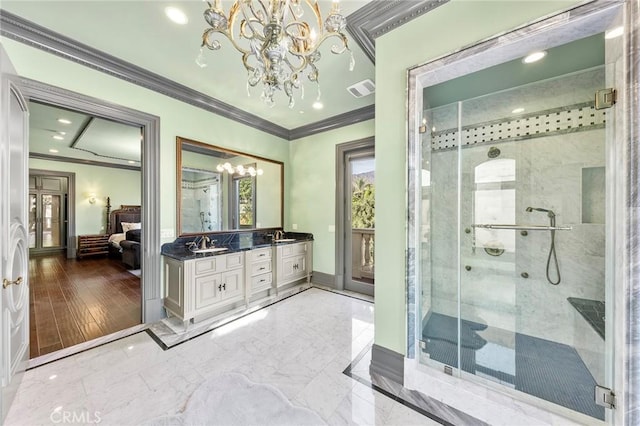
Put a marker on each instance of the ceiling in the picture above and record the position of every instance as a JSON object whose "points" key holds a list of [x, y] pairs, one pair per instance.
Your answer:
{"points": [[137, 40], [140, 33], [575, 56], [84, 138]]}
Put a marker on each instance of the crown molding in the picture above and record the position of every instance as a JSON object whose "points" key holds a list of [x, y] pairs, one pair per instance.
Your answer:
{"points": [[381, 16], [335, 122], [31, 34], [24, 31]]}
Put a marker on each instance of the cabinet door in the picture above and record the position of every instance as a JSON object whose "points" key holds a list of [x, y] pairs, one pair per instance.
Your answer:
{"points": [[208, 290], [293, 268], [233, 284]]}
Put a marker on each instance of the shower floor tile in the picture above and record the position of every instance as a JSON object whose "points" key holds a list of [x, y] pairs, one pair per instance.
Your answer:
{"points": [[548, 370]]}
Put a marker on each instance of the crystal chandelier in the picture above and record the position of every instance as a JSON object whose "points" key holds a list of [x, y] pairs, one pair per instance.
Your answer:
{"points": [[278, 48]]}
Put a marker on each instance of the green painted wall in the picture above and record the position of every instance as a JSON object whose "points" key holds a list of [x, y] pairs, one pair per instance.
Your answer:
{"points": [[122, 186], [448, 28], [313, 190], [176, 118]]}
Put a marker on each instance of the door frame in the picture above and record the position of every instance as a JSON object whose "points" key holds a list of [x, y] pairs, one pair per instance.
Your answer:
{"points": [[342, 150], [150, 282], [71, 200]]}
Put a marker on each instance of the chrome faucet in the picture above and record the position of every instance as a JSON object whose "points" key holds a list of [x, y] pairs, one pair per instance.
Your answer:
{"points": [[278, 235]]}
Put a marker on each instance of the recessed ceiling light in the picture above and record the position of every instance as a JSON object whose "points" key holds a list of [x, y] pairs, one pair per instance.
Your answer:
{"points": [[131, 162], [317, 105], [301, 112], [534, 57], [58, 137], [176, 15], [53, 151], [517, 110], [614, 32], [64, 121], [62, 133]]}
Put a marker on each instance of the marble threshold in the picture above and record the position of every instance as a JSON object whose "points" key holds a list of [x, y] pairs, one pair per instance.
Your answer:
{"points": [[84, 346]]}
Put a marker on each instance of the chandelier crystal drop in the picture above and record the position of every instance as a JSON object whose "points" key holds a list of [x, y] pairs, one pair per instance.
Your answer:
{"points": [[278, 48]]}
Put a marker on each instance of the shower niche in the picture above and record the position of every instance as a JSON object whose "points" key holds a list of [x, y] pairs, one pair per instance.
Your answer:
{"points": [[510, 226]]}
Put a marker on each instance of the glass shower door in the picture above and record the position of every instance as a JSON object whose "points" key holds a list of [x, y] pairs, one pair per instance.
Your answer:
{"points": [[532, 242], [438, 240]]}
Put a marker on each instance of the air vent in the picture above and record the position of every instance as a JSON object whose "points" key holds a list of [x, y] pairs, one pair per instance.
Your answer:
{"points": [[362, 88]]}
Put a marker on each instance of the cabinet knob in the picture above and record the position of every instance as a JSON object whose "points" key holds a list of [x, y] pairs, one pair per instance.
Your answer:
{"points": [[224, 286], [262, 269], [220, 287]]}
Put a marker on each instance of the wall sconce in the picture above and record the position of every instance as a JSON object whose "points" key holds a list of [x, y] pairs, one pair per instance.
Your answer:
{"points": [[92, 198]]}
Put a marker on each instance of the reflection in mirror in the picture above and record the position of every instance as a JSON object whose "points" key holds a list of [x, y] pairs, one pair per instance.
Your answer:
{"points": [[221, 190]]}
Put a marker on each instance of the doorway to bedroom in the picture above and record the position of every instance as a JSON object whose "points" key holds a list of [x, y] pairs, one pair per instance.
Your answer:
{"points": [[85, 227]]}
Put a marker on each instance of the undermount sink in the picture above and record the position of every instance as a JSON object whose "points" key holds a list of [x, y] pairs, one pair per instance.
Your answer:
{"points": [[284, 240], [210, 250]]}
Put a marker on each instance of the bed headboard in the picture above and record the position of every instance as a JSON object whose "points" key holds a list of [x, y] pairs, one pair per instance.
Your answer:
{"points": [[123, 214]]}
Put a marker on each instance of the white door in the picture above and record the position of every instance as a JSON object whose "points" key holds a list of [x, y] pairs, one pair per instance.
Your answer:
{"points": [[14, 294]]}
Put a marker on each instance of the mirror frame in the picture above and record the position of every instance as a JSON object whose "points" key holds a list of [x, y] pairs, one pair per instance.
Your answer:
{"points": [[179, 143]]}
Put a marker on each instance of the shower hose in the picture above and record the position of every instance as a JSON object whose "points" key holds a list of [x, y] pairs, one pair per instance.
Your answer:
{"points": [[552, 252]]}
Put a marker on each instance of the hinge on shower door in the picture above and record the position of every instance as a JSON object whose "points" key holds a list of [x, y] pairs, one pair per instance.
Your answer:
{"points": [[605, 397], [605, 98]]}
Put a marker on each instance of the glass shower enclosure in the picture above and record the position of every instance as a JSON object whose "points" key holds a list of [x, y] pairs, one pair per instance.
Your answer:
{"points": [[512, 212]]}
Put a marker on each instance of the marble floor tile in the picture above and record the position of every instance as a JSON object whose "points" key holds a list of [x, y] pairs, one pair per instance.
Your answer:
{"points": [[300, 346]]}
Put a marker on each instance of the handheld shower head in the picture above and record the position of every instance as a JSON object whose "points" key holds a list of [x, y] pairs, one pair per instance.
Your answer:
{"points": [[549, 213]]}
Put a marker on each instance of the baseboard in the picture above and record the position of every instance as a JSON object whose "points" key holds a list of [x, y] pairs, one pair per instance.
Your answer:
{"points": [[321, 278], [387, 363]]}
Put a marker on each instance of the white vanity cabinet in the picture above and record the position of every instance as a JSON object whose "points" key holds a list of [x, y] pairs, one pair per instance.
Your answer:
{"points": [[294, 262], [196, 287], [259, 270], [210, 285]]}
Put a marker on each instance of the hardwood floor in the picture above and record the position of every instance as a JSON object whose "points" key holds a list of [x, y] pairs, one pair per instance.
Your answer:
{"points": [[73, 301]]}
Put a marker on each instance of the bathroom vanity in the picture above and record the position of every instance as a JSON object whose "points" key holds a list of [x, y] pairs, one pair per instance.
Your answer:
{"points": [[247, 268]]}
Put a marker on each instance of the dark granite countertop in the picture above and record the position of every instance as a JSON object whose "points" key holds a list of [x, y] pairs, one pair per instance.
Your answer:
{"points": [[232, 241]]}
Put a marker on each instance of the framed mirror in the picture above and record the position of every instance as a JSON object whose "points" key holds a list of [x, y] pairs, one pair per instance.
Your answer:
{"points": [[220, 190]]}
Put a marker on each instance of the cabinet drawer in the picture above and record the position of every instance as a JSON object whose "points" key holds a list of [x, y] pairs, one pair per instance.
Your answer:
{"points": [[206, 265], [258, 268], [260, 254], [260, 282], [234, 260], [292, 249]]}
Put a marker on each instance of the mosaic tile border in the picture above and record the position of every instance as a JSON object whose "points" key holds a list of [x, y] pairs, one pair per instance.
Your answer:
{"points": [[551, 122]]}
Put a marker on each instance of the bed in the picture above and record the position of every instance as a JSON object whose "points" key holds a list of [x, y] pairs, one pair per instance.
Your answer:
{"points": [[130, 217]]}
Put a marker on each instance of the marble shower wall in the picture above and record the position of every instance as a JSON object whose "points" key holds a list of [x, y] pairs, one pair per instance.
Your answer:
{"points": [[201, 198], [558, 170]]}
